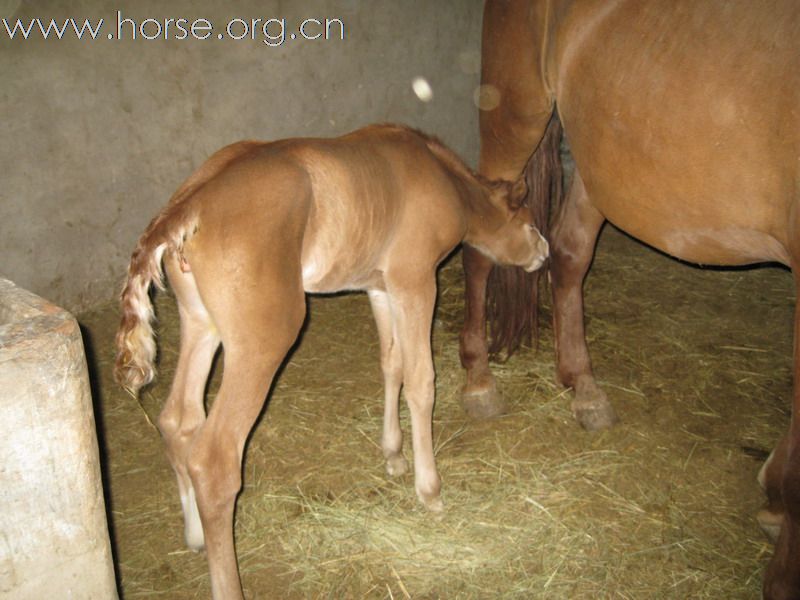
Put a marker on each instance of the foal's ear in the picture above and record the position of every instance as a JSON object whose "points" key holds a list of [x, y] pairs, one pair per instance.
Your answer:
{"points": [[518, 190]]}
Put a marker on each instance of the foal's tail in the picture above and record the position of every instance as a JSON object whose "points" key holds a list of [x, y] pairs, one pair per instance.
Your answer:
{"points": [[136, 346], [512, 295], [168, 232]]}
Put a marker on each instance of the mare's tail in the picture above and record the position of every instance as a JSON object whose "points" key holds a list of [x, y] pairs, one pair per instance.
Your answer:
{"points": [[512, 295]]}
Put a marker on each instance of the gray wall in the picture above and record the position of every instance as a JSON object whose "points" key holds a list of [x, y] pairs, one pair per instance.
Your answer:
{"points": [[96, 135]]}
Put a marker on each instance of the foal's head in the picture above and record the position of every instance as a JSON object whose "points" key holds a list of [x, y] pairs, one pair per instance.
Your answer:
{"points": [[504, 231], [500, 226]]}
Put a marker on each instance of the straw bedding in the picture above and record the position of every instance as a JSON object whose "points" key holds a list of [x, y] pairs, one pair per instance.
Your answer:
{"points": [[697, 363]]}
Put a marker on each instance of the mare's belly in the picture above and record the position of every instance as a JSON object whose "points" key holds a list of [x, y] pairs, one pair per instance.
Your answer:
{"points": [[712, 241]]}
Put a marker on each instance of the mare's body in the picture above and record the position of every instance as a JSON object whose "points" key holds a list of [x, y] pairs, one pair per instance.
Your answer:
{"points": [[684, 121]]}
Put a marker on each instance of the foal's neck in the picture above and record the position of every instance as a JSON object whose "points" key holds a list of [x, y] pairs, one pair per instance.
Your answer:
{"points": [[474, 188]]}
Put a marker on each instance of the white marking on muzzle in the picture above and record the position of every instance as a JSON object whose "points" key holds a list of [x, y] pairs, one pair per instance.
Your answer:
{"points": [[538, 261]]}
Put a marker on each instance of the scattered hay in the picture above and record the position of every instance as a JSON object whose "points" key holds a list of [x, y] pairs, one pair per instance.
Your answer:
{"points": [[696, 362]]}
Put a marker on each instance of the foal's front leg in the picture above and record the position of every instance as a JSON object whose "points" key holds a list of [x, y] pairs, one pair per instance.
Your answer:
{"points": [[412, 305], [392, 367]]}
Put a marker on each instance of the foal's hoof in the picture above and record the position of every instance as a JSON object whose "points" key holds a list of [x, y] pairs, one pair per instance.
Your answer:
{"points": [[591, 407], [433, 504], [193, 528], [483, 403], [396, 465], [430, 495], [770, 523], [195, 543]]}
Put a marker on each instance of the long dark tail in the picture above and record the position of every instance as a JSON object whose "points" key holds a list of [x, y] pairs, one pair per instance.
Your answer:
{"points": [[512, 295]]}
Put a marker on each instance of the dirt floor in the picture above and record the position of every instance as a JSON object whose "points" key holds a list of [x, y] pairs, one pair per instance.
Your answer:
{"points": [[696, 362]]}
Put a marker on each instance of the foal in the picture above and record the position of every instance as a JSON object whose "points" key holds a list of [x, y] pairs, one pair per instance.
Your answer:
{"points": [[253, 229]]}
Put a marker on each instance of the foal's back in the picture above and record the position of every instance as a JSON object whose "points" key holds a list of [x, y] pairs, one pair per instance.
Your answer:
{"points": [[352, 207]]}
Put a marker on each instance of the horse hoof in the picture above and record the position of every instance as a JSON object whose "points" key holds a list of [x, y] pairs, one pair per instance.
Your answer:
{"points": [[591, 407], [483, 404], [192, 526], [195, 543], [595, 418], [396, 465], [770, 524], [762, 472], [434, 505]]}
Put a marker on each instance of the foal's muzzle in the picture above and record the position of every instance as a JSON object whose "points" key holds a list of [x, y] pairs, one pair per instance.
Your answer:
{"points": [[540, 255]]}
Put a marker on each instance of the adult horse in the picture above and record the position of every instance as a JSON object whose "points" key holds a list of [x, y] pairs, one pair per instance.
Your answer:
{"points": [[684, 122]]}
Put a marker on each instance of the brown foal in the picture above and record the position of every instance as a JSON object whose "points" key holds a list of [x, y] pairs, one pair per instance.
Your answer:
{"points": [[242, 240]]}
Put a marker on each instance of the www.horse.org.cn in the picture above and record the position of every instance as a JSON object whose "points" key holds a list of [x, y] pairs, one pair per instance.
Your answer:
{"points": [[271, 31]]}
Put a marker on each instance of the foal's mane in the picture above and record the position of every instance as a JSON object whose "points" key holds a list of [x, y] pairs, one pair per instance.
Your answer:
{"points": [[451, 161]]}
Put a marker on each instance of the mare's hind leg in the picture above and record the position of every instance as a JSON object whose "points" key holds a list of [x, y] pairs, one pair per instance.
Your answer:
{"points": [[509, 134], [479, 396], [782, 578], [412, 307], [572, 244], [392, 367], [770, 518], [184, 411]]}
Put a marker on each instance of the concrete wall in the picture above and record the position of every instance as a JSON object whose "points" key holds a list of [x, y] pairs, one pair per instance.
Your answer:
{"points": [[96, 135]]}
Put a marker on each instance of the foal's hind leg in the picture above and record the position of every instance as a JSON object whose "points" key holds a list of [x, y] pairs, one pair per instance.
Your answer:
{"points": [[257, 332], [392, 367], [572, 244], [184, 411]]}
